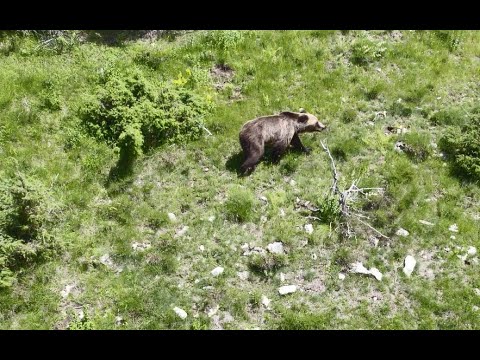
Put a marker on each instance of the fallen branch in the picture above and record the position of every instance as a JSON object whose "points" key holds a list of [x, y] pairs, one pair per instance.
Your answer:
{"points": [[204, 128], [347, 196]]}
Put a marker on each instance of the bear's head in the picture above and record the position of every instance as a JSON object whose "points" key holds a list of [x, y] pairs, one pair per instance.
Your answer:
{"points": [[309, 123]]}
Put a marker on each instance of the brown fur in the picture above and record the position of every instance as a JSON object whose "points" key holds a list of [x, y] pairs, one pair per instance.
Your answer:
{"points": [[276, 131]]}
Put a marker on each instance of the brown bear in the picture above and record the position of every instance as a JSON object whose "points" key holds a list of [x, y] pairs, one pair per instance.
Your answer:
{"points": [[275, 131]]}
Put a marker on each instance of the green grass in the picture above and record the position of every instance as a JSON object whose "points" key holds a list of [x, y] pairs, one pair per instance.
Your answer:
{"points": [[347, 79]]}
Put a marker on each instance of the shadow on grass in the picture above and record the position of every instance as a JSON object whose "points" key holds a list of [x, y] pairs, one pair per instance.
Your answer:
{"points": [[120, 176]]}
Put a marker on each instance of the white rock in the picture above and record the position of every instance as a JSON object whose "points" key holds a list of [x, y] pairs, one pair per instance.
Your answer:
{"points": [[263, 219], [309, 228], [471, 250], [211, 218], [243, 275], [182, 231], [314, 256], [119, 320], [453, 228], [172, 217], [196, 281], [376, 273], [452, 237], [282, 212], [476, 291], [275, 248], [341, 276], [424, 222], [180, 312], [66, 291], [213, 311], [245, 247], [358, 268], [106, 260], [287, 289], [266, 301], [410, 263], [263, 198], [402, 232], [292, 182], [201, 248], [282, 277], [217, 271], [475, 308]]}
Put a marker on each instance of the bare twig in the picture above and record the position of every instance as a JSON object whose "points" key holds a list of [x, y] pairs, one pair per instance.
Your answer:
{"points": [[204, 128], [349, 195], [371, 227]]}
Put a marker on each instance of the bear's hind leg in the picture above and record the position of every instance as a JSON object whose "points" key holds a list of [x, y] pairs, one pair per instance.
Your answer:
{"points": [[253, 154]]}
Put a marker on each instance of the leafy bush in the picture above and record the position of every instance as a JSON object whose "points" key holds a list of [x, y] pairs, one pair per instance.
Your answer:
{"points": [[462, 145], [136, 114], [365, 52], [27, 211], [329, 210], [225, 39], [240, 205]]}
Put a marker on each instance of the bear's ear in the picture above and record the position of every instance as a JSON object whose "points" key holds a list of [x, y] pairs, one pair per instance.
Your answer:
{"points": [[303, 118]]}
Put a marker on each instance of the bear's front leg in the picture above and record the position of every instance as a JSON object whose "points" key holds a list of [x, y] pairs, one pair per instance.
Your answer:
{"points": [[297, 144]]}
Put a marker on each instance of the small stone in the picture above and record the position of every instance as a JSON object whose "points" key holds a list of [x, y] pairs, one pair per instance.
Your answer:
{"points": [[67, 290], [196, 281], [201, 248], [217, 271], [211, 218], [209, 287], [374, 298], [243, 275], [213, 311], [266, 301], [476, 291], [263, 219], [471, 250], [228, 318], [182, 231], [206, 169], [453, 228], [309, 228], [275, 248], [292, 182], [424, 222], [106, 260], [376, 273], [119, 320], [341, 276], [314, 256], [287, 289], [402, 232], [453, 237], [180, 312], [263, 198], [172, 217], [282, 212], [475, 308], [282, 277], [245, 246], [410, 263]]}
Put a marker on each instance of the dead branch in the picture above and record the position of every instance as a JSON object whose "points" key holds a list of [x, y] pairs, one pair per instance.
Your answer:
{"points": [[347, 196]]}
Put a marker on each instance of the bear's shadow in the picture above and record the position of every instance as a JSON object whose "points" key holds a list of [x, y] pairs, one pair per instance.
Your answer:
{"points": [[234, 162]]}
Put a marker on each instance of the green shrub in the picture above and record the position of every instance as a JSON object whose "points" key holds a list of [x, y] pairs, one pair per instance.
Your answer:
{"points": [[225, 39], [137, 114], [240, 205], [329, 210], [462, 146], [27, 211], [365, 52]]}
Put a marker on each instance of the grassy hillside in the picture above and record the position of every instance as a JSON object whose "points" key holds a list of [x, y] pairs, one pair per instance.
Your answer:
{"points": [[87, 192]]}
